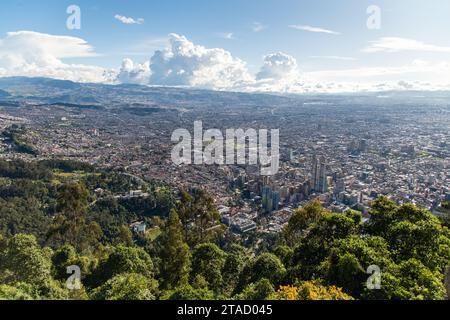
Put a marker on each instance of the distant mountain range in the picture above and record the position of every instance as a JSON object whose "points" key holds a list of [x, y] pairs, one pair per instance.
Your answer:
{"points": [[4, 94], [51, 91]]}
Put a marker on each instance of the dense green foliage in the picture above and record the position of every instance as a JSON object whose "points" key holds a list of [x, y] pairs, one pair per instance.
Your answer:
{"points": [[53, 216], [15, 137]]}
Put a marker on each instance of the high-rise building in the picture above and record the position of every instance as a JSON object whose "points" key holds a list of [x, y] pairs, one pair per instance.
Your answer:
{"points": [[267, 199], [362, 147], [319, 174], [314, 172], [340, 185], [275, 200]]}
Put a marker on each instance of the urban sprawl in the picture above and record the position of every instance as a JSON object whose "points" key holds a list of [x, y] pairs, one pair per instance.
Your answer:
{"points": [[344, 150]]}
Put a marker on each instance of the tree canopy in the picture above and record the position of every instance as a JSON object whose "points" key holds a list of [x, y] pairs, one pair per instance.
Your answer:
{"points": [[53, 220]]}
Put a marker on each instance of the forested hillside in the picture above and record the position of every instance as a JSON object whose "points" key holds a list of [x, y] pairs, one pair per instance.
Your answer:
{"points": [[60, 214]]}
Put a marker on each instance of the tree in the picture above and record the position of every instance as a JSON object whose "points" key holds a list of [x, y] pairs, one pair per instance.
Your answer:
{"points": [[381, 216], [174, 254], [285, 254], [345, 271], [421, 282], [61, 259], [260, 290], [310, 290], [315, 247], [187, 292], [419, 238], [67, 256], [23, 215], [285, 293], [413, 240], [208, 261], [445, 218], [70, 224], [73, 200], [350, 258], [122, 260], [333, 226], [233, 266], [14, 293], [128, 286], [410, 280], [23, 260], [267, 266], [199, 218], [123, 236], [186, 214], [301, 219], [412, 233], [313, 290]]}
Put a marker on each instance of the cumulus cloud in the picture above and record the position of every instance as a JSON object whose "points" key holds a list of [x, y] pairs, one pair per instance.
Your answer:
{"points": [[135, 73], [395, 44], [313, 29], [278, 66], [183, 63], [28, 53], [128, 20]]}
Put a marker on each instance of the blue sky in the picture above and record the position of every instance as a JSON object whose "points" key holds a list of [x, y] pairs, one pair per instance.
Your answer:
{"points": [[414, 33]]}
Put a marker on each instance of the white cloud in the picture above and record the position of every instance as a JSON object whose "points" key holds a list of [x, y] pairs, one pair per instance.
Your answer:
{"points": [[258, 27], [278, 66], [185, 64], [33, 44], [28, 53], [417, 74], [226, 35], [136, 73], [418, 69], [129, 20], [394, 44], [313, 29]]}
